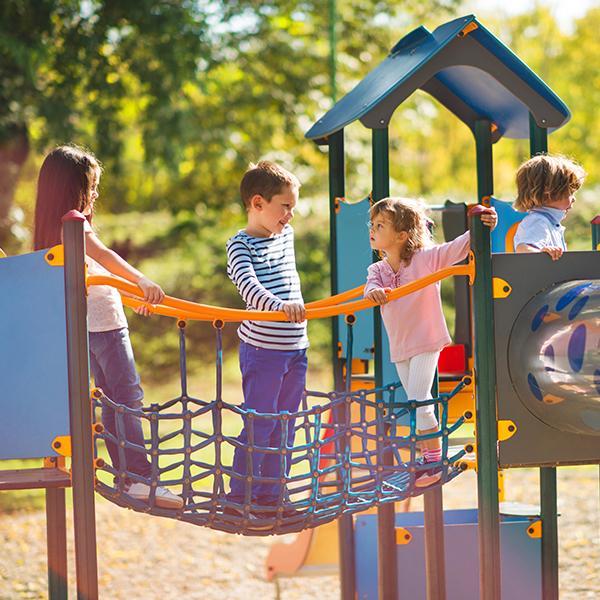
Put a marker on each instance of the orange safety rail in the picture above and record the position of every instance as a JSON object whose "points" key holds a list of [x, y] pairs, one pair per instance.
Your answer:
{"points": [[328, 307]]}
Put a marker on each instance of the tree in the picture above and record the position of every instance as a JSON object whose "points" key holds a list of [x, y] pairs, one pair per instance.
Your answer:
{"points": [[69, 69]]}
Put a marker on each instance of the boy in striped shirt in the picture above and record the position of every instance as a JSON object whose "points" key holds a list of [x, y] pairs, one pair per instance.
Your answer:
{"points": [[261, 263]]}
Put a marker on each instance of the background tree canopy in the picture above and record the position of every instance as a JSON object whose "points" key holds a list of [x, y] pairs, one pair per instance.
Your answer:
{"points": [[176, 98]]}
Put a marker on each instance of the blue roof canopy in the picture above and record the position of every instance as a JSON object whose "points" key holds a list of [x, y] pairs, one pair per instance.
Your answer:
{"points": [[466, 68]]}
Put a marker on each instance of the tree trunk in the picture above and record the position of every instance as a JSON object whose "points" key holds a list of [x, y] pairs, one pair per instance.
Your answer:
{"points": [[14, 150]]}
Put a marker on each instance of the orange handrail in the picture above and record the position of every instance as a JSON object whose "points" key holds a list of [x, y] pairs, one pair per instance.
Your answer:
{"points": [[327, 307], [341, 297]]}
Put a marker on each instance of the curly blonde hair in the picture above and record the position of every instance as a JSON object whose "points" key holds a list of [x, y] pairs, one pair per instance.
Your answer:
{"points": [[546, 178], [407, 215]]}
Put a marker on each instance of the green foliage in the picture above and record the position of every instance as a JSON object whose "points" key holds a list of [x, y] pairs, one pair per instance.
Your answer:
{"points": [[176, 98], [186, 254]]}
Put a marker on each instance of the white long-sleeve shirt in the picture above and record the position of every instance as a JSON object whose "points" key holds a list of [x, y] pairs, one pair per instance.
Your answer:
{"points": [[264, 272]]}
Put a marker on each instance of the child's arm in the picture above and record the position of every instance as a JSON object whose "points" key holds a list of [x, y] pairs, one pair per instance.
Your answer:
{"points": [[240, 269], [554, 251], [112, 262], [532, 236], [374, 288], [449, 253]]}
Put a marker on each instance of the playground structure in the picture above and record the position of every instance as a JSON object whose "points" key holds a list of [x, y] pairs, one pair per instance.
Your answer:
{"points": [[357, 459], [477, 78]]}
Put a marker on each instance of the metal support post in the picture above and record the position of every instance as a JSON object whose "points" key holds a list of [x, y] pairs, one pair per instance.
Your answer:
{"points": [[435, 556], [80, 408], [56, 543], [435, 560], [485, 369], [386, 514], [538, 144], [337, 190]]}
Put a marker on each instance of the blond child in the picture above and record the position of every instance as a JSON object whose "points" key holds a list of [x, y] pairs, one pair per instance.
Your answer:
{"points": [[546, 187], [414, 323]]}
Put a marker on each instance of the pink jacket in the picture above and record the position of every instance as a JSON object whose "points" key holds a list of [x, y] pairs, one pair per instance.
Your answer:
{"points": [[415, 323]]}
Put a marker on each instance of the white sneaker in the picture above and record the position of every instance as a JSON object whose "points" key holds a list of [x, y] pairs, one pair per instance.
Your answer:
{"points": [[164, 498]]}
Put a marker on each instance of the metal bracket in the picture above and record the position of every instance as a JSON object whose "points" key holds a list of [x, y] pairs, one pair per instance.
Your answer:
{"points": [[500, 288], [54, 462], [403, 536], [473, 267], [55, 256], [467, 29], [506, 429], [534, 530], [61, 444]]}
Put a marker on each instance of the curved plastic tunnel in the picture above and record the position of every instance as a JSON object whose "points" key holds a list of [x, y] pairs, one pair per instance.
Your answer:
{"points": [[554, 356]]}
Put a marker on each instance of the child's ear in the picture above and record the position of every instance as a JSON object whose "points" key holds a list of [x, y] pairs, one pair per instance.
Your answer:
{"points": [[257, 201]]}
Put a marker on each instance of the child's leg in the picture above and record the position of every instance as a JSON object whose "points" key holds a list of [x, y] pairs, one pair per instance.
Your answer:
{"points": [[294, 384], [416, 375], [115, 364], [262, 378], [420, 380]]}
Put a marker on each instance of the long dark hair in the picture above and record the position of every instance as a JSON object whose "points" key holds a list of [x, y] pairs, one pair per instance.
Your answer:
{"points": [[65, 183]]}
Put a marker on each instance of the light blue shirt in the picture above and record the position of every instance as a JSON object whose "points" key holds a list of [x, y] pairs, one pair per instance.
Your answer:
{"points": [[541, 228]]}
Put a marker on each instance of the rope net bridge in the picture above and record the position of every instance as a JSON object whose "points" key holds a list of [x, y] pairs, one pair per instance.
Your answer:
{"points": [[346, 450]]}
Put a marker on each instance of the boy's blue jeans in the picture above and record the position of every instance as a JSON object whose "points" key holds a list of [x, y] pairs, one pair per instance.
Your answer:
{"points": [[272, 381], [113, 368]]}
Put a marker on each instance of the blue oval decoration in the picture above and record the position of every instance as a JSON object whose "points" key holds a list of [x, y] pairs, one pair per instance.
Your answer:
{"points": [[571, 295], [576, 348], [534, 387], [577, 307]]}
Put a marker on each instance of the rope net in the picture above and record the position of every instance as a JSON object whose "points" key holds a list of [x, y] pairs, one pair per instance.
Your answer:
{"points": [[341, 452]]}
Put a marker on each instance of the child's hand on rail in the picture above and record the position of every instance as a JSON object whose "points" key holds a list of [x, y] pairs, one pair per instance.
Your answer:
{"points": [[152, 291], [554, 252], [294, 311], [378, 295], [490, 217], [144, 310]]}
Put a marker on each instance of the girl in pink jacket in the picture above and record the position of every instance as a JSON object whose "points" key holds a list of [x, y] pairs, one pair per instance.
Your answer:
{"points": [[415, 324]]}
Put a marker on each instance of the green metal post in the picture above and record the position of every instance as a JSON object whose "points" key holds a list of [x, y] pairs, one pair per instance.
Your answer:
{"points": [[485, 378], [56, 543], [80, 408], [337, 190], [538, 144], [386, 526]]}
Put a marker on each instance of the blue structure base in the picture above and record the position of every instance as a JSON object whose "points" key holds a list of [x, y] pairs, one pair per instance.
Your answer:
{"points": [[520, 557]]}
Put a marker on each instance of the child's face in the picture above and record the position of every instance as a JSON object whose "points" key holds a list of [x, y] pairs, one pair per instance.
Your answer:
{"points": [[383, 236], [565, 203], [93, 196], [271, 217]]}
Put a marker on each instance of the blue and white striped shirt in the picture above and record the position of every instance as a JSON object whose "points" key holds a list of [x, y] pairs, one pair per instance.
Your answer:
{"points": [[264, 272]]}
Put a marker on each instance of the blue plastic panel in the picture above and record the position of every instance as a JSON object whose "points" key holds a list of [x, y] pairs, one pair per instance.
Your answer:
{"points": [[34, 406], [520, 556], [354, 256], [507, 217]]}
